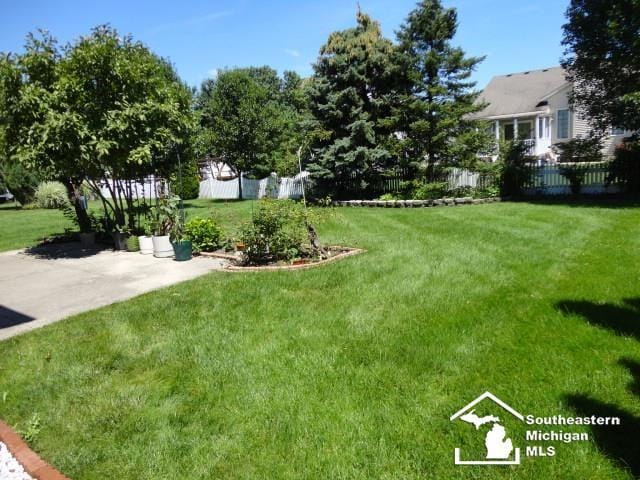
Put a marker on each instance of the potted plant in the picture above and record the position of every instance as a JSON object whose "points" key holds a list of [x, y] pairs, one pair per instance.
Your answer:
{"points": [[182, 247], [133, 245], [145, 242], [120, 236], [165, 217]]}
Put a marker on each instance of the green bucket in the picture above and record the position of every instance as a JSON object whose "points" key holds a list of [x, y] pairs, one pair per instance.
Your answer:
{"points": [[182, 250]]}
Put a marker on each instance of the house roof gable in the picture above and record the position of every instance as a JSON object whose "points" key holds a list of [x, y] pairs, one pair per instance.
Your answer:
{"points": [[520, 92]]}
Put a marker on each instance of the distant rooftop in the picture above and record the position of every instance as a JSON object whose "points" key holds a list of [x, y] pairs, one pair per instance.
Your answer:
{"points": [[520, 92]]}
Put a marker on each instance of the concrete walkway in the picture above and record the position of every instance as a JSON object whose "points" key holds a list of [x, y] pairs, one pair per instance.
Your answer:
{"points": [[42, 285]]}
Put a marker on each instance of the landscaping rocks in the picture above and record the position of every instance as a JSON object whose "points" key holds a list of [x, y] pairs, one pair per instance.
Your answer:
{"points": [[415, 203], [10, 469]]}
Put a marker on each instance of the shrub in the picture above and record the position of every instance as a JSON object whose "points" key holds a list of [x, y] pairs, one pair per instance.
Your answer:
{"points": [[190, 188], [20, 181], [429, 191], [204, 234], [515, 168], [278, 231], [574, 154], [625, 167], [51, 195], [133, 244], [388, 196], [580, 150]]}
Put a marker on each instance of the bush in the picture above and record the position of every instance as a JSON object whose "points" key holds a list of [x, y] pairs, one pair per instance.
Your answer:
{"points": [[190, 181], [389, 196], [20, 181], [574, 154], [625, 167], [204, 234], [580, 150], [278, 231], [133, 244], [51, 195], [515, 169], [429, 191]]}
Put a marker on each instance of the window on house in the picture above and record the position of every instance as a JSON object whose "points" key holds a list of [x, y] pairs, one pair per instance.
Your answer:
{"points": [[563, 123]]}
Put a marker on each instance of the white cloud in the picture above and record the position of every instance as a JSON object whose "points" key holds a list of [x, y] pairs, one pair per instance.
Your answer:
{"points": [[213, 73], [292, 52]]}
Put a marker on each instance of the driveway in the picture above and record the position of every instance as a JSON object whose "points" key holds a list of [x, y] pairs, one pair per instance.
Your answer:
{"points": [[45, 284]]}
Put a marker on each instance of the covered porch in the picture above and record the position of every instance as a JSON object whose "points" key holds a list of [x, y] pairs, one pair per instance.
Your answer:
{"points": [[533, 128]]}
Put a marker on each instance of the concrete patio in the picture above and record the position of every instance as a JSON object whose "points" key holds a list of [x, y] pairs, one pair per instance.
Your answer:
{"points": [[45, 284]]}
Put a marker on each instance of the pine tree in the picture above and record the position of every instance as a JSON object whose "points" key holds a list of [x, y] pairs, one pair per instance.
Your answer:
{"points": [[435, 112], [352, 95], [602, 59]]}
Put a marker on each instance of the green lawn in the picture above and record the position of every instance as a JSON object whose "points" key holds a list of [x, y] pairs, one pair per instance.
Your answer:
{"points": [[24, 228], [353, 369]]}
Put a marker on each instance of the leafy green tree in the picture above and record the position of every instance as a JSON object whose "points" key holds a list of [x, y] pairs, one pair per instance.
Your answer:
{"points": [[288, 107], [186, 183], [103, 108], [602, 58], [440, 96], [352, 93], [239, 121]]}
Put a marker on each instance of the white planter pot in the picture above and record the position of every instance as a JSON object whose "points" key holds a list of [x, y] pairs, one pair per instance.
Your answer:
{"points": [[146, 245], [162, 247]]}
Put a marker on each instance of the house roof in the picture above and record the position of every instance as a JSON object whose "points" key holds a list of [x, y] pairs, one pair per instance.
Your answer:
{"points": [[520, 92]]}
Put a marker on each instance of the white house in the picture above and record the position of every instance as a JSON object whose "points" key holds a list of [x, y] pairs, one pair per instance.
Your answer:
{"points": [[534, 106]]}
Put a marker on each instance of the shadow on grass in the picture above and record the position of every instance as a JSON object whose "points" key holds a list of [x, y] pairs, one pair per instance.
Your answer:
{"points": [[10, 317], [622, 319], [618, 442]]}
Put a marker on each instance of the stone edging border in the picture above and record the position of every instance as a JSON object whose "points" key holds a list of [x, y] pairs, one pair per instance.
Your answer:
{"points": [[348, 253], [30, 461], [440, 202]]}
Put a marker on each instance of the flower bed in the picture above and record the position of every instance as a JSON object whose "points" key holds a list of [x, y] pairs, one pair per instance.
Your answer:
{"points": [[334, 253]]}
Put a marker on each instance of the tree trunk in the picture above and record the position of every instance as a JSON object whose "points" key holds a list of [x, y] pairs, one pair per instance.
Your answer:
{"points": [[84, 222], [240, 184]]}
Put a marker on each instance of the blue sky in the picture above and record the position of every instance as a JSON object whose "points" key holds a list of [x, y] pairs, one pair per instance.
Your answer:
{"points": [[202, 36]]}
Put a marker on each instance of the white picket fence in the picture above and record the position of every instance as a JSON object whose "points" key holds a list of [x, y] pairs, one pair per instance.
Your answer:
{"points": [[272, 186], [547, 180]]}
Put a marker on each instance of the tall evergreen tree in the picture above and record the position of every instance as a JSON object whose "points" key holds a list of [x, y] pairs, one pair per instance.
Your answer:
{"points": [[352, 94], [441, 96], [602, 59]]}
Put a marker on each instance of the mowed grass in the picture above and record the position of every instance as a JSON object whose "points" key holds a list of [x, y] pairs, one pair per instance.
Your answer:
{"points": [[352, 370], [24, 228]]}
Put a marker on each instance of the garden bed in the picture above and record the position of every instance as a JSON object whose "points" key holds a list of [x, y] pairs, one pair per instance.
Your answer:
{"points": [[334, 253]]}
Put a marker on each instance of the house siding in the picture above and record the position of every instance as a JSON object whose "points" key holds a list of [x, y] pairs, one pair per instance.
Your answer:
{"points": [[560, 101]]}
